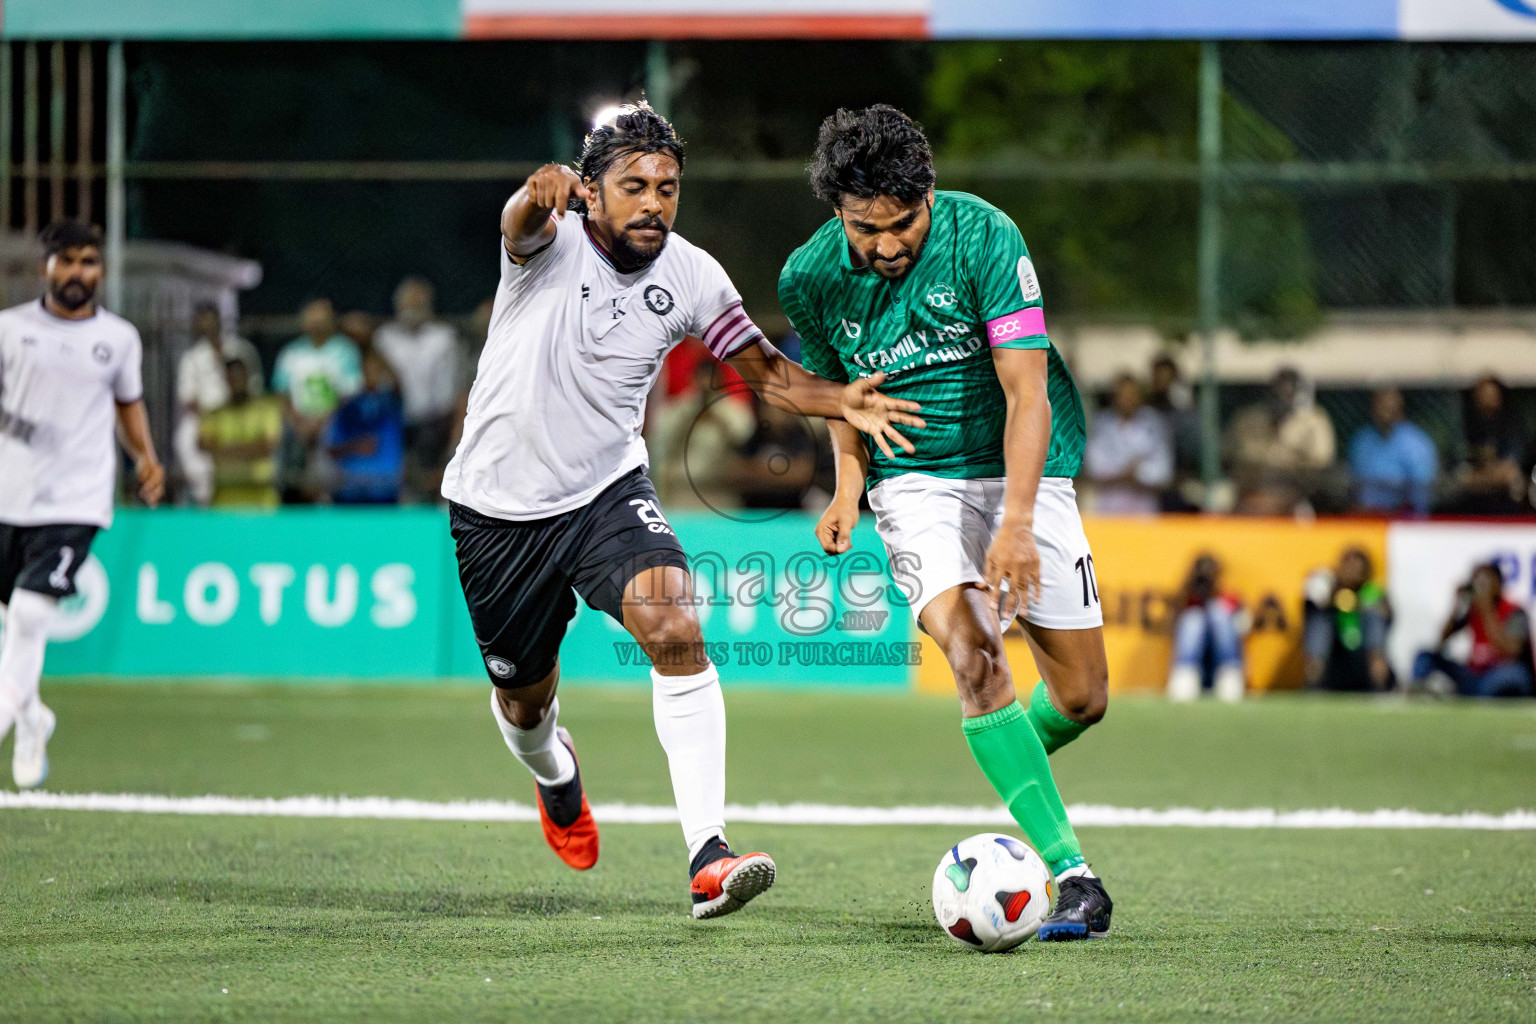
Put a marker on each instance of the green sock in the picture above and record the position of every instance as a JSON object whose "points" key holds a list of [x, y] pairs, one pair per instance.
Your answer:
{"points": [[1014, 761], [1055, 729]]}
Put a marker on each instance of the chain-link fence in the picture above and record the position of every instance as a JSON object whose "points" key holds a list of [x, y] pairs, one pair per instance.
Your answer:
{"points": [[1258, 188]]}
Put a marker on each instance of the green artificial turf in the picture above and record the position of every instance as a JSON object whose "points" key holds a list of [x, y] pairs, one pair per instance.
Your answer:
{"points": [[139, 917]]}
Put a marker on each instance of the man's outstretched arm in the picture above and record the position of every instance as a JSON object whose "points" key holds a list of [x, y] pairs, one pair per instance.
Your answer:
{"points": [[525, 220], [779, 380]]}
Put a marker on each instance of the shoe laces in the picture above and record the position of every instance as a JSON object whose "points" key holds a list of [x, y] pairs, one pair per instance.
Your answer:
{"points": [[1075, 892]]}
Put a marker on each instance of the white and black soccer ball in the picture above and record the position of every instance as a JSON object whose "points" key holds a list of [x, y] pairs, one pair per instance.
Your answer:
{"points": [[991, 892]]}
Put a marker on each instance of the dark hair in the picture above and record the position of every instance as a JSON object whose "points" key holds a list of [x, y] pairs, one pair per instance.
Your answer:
{"points": [[1365, 559], [877, 151], [67, 234], [635, 129], [1493, 567]]}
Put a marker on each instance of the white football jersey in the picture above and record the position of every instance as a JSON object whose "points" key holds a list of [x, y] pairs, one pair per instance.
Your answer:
{"points": [[60, 381], [573, 350]]}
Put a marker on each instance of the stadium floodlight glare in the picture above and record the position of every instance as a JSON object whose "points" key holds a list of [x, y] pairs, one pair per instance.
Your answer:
{"points": [[607, 112]]}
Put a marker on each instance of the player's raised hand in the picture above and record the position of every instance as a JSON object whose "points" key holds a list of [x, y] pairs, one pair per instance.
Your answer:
{"points": [[553, 186], [873, 413], [835, 527], [151, 476], [1012, 556]]}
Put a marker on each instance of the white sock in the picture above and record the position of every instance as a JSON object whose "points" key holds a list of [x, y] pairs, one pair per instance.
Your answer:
{"points": [[1081, 871], [538, 748], [690, 722], [22, 645]]}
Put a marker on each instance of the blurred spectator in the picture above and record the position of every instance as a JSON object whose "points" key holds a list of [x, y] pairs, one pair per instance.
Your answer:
{"points": [[479, 328], [241, 439], [202, 385], [1207, 637], [1280, 449], [1129, 458], [424, 352], [1393, 462], [1171, 397], [1499, 664], [1344, 628], [778, 464], [1491, 478], [314, 372], [365, 439], [696, 438]]}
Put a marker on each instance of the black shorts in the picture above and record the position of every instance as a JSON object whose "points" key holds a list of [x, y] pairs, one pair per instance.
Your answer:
{"points": [[518, 576], [43, 559]]}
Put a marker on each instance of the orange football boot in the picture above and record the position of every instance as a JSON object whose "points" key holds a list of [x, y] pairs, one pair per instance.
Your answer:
{"points": [[576, 843], [726, 885]]}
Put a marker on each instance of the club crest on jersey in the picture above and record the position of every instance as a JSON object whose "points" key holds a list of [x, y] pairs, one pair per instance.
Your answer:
{"points": [[853, 330], [941, 296], [101, 352], [501, 668], [658, 300]]}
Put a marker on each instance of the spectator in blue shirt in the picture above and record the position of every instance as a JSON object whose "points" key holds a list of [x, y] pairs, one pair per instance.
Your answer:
{"points": [[366, 439], [1394, 463]]}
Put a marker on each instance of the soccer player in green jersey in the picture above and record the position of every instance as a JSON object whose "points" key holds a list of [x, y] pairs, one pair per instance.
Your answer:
{"points": [[936, 290]]}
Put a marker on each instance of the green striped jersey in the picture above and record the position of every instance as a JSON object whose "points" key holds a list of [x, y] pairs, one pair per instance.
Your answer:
{"points": [[932, 331]]}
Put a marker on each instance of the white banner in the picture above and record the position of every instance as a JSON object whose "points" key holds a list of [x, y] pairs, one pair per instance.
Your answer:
{"points": [[1467, 19], [1426, 562]]}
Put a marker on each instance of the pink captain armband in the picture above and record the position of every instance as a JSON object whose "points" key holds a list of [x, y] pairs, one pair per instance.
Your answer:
{"points": [[1025, 323], [730, 332]]}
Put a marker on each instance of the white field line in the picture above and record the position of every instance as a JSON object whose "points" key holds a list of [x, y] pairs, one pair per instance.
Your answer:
{"points": [[766, 814]]}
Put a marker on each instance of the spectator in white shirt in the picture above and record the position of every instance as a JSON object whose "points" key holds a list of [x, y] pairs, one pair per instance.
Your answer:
{"points": [[202, 386], [425, 355], [1129, 458]]}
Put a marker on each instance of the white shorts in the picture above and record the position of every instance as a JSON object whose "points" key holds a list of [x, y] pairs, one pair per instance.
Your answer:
{"points": [[936, 531]]}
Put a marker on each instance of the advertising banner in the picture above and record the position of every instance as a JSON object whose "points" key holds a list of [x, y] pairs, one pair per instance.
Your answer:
{"points": [[770, 19], [1141, 566], [373, 594], [1431, 560]]}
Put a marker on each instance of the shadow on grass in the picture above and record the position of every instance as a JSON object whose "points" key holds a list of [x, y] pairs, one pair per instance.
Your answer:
{"points": [[445, 903]]}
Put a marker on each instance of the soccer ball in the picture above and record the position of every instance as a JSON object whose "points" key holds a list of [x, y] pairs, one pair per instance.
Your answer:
{"points": [[991, 892]]}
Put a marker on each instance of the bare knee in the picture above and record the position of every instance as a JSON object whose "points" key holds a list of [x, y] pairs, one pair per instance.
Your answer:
{"points": [[1087, 699], [670, 637], [981, 677]]}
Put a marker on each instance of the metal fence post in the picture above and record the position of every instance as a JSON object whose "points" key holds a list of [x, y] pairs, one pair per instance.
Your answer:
{"points": [[1209, 261], [117, 211]]}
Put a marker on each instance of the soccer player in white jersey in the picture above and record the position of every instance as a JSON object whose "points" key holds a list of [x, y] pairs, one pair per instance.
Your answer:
{"points": [[548, 491], [69, 374]]}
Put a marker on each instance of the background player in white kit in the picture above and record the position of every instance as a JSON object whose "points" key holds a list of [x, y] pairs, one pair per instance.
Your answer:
{"points": [[547, 488], [69, 373]]}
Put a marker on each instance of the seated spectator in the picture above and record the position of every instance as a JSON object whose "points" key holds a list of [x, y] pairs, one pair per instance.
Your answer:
{"points": [[1491, 478], [778, 464], [1393, 462], [1344, 627], [696, 437], [1280, 449], [241, 439], [424, 352], [1173, 399], [365, 439], [314, 372], [1499, 664], [202, 386], [1207, 637], [1129, 458]]}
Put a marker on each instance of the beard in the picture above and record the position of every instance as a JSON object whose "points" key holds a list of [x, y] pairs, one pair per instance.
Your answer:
{"points": [[890, 273], [637, 256], [71, 294]]}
